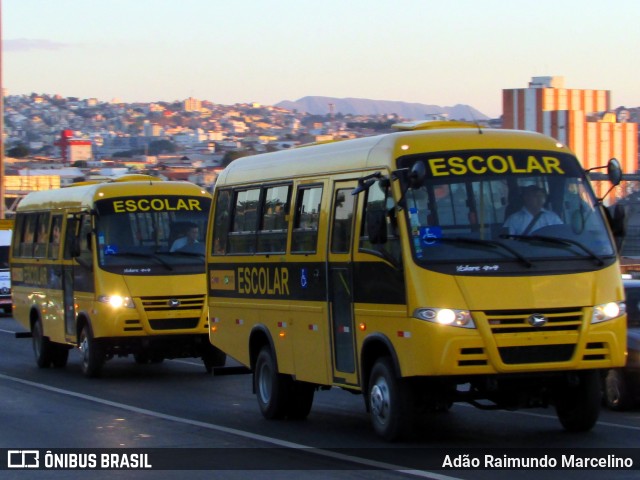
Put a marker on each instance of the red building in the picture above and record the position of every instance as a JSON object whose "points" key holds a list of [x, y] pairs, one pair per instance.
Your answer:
{"points": [[73, 149]]}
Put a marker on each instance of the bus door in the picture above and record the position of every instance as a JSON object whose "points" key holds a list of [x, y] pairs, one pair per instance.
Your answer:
{"points": [[340, 279], [70, 233]]}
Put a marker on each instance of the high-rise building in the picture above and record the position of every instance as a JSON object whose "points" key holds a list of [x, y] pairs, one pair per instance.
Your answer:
{"points": [[192, 105], [581, 119]]}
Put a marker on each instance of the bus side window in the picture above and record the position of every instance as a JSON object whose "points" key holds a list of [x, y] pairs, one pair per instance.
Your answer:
{"points": [[272, 236], [16, 240], [69, 236], [242, 238], [85, 257], [304, 237], [28, 235], [54, 238], [381, 204], [221, 223], [42, 236], [342, 221]]}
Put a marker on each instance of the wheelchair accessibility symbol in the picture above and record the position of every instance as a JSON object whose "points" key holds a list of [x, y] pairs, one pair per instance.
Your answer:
{"points": [[430, 235]]}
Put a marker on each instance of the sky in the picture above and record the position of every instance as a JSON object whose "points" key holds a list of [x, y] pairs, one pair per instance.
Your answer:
{"points": [[436, 52]]}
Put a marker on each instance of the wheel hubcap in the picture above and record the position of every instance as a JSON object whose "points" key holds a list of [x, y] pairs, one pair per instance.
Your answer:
{"points": [[380, 401], [264, 383]]}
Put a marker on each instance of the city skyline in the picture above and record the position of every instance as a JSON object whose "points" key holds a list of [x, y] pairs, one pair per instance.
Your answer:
{"points": [[413, 51]]}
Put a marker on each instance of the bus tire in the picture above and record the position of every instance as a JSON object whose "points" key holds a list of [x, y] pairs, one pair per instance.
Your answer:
{"points": [[93, 357], [271, 387], [578, 407], [42, 346], [617, 394], [390, 402], [299, 400], [213, 357]]}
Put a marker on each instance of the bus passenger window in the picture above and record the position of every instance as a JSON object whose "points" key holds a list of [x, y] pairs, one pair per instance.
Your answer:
{"points": [[242, 238], [54, 239], [304, 237], [342, 221], [221, 223], [28, 234], [381, 202], [272, 236], [42, 237]]}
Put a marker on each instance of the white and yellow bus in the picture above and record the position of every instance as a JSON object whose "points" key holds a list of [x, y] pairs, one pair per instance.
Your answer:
{"points": [[114, 268], [384, 266]]}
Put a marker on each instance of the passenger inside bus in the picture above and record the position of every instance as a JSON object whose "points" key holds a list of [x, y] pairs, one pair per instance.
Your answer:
{"points": [[532, 216]]}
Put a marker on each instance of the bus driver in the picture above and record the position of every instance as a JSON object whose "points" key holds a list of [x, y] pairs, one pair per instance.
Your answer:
{"points": [[532, 215]]}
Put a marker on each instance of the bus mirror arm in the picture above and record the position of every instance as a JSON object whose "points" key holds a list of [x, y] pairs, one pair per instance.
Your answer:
{"points": [[365, 183]]}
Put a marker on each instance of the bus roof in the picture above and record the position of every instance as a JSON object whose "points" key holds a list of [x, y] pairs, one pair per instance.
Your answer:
{"points": [[378, 152], [83, 196]]}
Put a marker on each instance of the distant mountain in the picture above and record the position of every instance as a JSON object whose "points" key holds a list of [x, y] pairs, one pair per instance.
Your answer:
{"points": [[363, 106]]}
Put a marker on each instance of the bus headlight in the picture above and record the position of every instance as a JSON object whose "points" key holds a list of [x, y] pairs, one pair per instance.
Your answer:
{"points": [[445, 316], [116, 301], [608, 311]]}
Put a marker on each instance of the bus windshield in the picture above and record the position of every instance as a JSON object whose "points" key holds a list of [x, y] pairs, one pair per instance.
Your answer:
{"points": [[504, 211], [152, 235]]}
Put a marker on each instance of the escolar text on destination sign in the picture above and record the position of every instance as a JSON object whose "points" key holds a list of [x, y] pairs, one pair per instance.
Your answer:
{"points": [[156, 205], [480, 165]]}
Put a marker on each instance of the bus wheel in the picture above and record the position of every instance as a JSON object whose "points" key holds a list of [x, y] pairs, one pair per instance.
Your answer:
{"points": [[390, 402], [616, 390], [578, 406], [213, 357], [42, 346], [92, 355], [270, 387], [300, 399]]}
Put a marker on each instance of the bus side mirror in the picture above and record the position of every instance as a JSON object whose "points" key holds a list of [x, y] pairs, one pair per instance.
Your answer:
{"points": [[88, 240], [377, 227], [417, 174], [614, 171]]}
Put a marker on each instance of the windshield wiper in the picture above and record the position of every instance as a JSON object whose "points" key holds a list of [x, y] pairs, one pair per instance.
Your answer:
{"points": [[487, 243], [178, 252], [567, 242], [143, 255]]}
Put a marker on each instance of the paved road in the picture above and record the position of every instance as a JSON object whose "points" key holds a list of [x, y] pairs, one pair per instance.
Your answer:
{"points": [[177, 405]]}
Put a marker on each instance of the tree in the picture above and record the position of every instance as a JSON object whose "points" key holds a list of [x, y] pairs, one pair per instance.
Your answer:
{"points": [[230, 156], [161, 146]]}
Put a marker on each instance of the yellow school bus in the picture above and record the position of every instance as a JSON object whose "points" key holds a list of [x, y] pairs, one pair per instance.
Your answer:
{"points": [[113, 268], [6, 227], [400, 267]]}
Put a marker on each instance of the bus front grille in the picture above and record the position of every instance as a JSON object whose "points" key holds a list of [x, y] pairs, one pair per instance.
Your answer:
{"points": [[522, 321], [177, 303], [174, 313]]}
